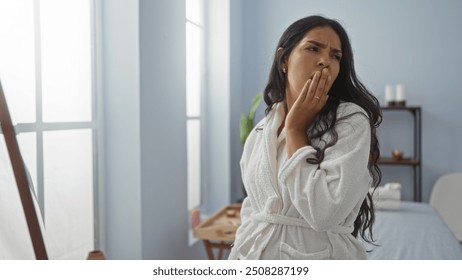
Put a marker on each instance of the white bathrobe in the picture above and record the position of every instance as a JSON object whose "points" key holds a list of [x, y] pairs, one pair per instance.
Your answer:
{"points": [[298, 210]]}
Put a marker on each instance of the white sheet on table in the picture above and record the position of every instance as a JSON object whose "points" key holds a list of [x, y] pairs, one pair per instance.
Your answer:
{"points": [[415, 232]]}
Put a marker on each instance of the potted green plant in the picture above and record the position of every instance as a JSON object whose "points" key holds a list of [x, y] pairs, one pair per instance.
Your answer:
{"points": [[247, 121], [247, 124]]}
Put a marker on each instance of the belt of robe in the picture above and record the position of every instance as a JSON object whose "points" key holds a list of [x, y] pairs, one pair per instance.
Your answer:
{"points": [[254, 245], [291, 221]]}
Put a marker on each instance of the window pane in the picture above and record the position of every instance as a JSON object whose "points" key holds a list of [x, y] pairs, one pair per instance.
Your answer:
{"points": [[194, 163], [15, 242], [66, 60], [7, 180], [17, 62], [193, 69], [194, 11], [28, 147], [68, 179]]}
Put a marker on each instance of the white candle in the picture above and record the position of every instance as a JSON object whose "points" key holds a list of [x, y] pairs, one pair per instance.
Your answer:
{"points": [[400, 95], [389, 94]]}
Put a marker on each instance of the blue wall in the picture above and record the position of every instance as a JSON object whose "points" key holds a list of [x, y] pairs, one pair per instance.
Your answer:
{"points": [[121, 213], [413, 42], [143, 83]]}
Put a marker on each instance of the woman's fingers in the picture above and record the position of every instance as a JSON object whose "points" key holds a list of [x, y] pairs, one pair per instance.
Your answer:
{"points": [[312, 88], [315, 89], [302, 96], [326, 89], [306, 87], [322, 85], [319, 86], [310, 101]]}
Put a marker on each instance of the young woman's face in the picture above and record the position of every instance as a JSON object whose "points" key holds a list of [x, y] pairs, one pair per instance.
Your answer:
{"points": [[320, 48]]}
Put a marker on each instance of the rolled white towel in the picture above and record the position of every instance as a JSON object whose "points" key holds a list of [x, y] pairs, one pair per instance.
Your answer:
{"points": [[390, 191], [387, 204], [387, 197]]}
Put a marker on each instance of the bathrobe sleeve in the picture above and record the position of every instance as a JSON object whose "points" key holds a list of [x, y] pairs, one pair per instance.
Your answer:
{"points": [[326, 194], [249, 146]]}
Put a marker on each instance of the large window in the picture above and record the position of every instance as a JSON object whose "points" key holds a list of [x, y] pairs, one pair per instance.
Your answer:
{"points": [[194, 88], [46, 73]]}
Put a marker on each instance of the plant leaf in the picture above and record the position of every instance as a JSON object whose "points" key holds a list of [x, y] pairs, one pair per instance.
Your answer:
{"points": [[254, 105], [246, 122], [244, 131]]}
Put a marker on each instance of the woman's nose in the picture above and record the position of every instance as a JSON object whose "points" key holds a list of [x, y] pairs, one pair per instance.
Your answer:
{"points": [[323, 61]]}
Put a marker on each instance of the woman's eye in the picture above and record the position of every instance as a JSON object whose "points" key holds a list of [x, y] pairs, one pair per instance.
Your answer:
{"points": [[313, 49]]}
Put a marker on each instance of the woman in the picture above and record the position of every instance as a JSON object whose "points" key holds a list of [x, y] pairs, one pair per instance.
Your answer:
{"points": [[308, 166]]}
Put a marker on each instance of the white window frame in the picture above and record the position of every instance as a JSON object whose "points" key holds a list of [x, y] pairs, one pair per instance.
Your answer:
{"points": [[200, 117], [95, 124]]}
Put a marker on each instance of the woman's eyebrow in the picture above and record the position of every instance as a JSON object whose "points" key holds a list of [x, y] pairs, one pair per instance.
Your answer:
{"points": [[323, 46]]}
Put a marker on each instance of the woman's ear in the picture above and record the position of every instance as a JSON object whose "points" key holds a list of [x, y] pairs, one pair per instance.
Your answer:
{"points": [[284, 62]]}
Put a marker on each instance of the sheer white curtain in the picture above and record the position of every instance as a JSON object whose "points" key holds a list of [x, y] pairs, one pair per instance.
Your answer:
{"points": [[46, 73]]}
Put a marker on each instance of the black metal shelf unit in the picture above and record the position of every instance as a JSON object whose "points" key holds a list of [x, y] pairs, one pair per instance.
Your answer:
{"points": [[416, 161]]}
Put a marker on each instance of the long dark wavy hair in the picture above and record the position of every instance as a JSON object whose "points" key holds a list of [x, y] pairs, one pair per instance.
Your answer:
{"points": [[346, 88]]}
